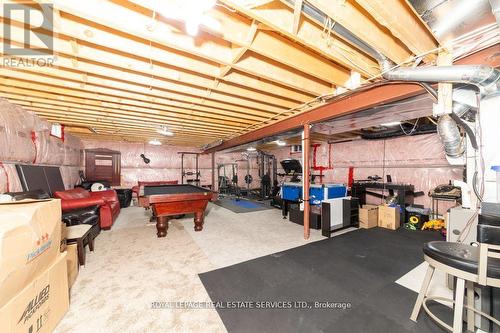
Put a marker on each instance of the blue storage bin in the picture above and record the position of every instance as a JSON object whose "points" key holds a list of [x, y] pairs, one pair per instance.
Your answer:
{"points": [[317, 193], [291, 191]]}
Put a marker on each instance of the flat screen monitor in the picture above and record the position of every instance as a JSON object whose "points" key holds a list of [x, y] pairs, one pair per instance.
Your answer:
{"points": [[32, 178], [37, 177]]}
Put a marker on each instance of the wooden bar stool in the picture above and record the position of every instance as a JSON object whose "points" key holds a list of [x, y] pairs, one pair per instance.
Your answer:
{"points": [[81, 235], [470, 265]]}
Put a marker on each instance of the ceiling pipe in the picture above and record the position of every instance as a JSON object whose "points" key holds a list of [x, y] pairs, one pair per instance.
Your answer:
{"points": [[340, 30], [486, 79]]}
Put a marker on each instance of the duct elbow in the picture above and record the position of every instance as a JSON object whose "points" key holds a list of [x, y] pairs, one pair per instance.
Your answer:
{"points": [[450, 136]]}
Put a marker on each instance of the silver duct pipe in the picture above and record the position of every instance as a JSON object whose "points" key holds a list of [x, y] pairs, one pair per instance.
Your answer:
{"points": [[495, 9], [450, 135], [487, 79]]}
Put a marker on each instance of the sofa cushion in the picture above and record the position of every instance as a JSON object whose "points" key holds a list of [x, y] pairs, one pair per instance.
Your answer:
{"points": [[77, 193], [89, 215]]}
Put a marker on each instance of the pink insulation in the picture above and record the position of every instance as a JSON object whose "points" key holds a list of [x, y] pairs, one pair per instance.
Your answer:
{"points": [[16, 126], [166, 163], [25, 138]]}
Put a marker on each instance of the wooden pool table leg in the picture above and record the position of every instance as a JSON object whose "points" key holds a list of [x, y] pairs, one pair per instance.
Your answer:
{"points": [[161, 226], [198, 221]]}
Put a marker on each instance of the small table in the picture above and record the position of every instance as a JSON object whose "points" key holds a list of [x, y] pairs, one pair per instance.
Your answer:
{"points": [[81, 235], [171, 200]]}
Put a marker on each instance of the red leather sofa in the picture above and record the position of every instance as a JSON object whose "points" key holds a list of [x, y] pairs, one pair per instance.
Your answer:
{"points": [[80, 198], [137, 188]]}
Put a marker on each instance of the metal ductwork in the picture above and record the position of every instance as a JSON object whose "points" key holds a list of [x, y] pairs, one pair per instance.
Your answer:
{"points": [[487, 79], [450, 135]]}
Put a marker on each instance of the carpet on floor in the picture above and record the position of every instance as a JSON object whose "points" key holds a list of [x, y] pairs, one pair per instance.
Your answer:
{"points": [[241, 205], [357, 269]]}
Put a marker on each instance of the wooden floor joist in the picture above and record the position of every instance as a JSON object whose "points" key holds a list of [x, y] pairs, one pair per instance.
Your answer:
{"points": [[122, 65]]}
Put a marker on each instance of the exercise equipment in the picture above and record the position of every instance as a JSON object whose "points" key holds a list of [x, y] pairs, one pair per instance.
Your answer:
{"points": [[228, 181], [196, 173]]}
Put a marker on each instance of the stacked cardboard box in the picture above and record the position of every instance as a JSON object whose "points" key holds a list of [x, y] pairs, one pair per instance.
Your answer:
{"points": [[33, 273], [389, 217], [368, 216]]}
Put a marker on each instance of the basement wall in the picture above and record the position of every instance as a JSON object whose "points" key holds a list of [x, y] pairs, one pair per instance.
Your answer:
{"points": [[418, 160], [166, 163], [25, 139]]}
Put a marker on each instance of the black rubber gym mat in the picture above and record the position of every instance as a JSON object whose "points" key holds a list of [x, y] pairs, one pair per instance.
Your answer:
{"points": [[359, 268]]}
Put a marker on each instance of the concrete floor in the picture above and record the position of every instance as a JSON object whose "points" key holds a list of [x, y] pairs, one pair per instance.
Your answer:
{"points": [[131, 268]]}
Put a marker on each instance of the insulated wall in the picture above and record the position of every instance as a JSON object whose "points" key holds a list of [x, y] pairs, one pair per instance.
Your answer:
{"points": [[166, 163], [417, 160], [25, 138]]}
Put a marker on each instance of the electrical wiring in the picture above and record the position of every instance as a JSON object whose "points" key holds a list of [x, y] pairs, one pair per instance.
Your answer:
{"points": [[327, 97], [412, 130]]}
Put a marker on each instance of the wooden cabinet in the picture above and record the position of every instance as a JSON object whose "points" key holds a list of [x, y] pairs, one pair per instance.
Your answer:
{"points": [[103, 165]]}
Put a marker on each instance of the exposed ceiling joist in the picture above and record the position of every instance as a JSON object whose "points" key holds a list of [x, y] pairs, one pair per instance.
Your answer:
{"points": [[119, 101], [280, 18], [103, 113], [352, 17], [208, 47], [400, 19]]}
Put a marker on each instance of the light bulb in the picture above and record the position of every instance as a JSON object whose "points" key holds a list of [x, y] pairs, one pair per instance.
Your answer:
{"points": [[155, 142], [192, 28]]}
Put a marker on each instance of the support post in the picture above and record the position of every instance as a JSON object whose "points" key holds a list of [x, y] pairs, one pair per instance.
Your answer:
{"points": [[213, 172], [306, 177]]}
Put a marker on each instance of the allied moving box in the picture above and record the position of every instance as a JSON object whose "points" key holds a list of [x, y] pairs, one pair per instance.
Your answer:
{"points": [[368, 216], [40, 306], [30, 236], [388, 217], [72, 261]]}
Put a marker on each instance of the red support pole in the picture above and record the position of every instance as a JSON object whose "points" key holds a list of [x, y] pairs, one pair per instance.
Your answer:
{"points": [[213, 172], [306, 145]]}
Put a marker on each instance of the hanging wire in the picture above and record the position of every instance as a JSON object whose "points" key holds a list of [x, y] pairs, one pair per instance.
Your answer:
{"points": [[412, 130]]}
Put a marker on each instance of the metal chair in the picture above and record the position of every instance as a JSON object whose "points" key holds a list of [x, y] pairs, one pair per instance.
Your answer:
{"points": [[470, 265]]}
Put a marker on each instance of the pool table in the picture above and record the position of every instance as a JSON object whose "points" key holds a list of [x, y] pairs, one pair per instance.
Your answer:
{"points": [[171, 200]]}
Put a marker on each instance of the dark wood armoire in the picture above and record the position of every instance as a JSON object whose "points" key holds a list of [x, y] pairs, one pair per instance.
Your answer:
{"points": [[103, 165]]}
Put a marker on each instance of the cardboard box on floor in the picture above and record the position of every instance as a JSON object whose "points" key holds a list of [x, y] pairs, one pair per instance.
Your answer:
{"points": [[368, 216], [72, 261], [388, 217], [40, 306], [30, 237]]}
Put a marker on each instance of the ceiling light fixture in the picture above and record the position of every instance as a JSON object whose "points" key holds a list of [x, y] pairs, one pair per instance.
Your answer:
{"points": [[391, 124], [165, 131], [280, 143], [251, 149], [192, 13], [155, 142]]}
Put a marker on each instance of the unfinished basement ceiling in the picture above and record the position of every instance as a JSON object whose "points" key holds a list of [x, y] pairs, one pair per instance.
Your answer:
{"points": [[125, 68], [349, 127]]}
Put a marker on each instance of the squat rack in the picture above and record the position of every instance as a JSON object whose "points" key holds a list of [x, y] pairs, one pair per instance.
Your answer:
{"points": [[184, 173]]}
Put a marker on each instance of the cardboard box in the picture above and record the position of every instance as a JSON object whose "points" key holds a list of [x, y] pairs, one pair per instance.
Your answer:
{"points": [[40, 306], [388, 217], [30, 237], [64, 234], [72, 261], [368, 216]]}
